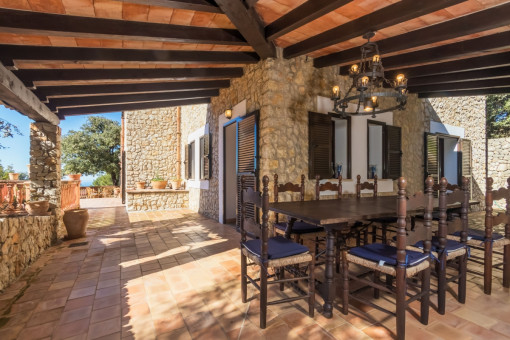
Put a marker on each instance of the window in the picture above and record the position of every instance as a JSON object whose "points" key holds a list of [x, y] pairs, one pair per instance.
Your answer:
{"points": [[384, 150], [329, 146]]}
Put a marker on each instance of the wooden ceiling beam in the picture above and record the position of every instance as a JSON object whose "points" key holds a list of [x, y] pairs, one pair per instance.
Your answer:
{"points": [[27, 22], [14, 94], [72, 111], [477, 92], [478, 22], [490, 73], [249, 25], [86, 55], [461, 65], [388, 16], [55, 103], [45, 92], [451, 51], [301, 15], [192, 5], [467, 85], [30, 76]]}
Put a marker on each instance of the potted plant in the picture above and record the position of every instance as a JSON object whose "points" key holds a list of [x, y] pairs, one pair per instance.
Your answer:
{"points": [[74, 177], [75, 221], [37, 208], [158, 182], [175, 182], [140, 185], [13, 176]]}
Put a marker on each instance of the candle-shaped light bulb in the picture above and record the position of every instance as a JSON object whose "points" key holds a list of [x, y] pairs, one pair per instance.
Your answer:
{"points": [[376, 58], [401, 80], [336, 91], [228, 113], [364, 81], [354, 68]]}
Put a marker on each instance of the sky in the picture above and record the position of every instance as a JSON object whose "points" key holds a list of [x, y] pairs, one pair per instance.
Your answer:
{"points": [[17, 151]]}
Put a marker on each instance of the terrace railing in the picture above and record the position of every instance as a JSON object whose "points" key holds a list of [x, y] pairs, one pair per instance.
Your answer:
{"points": [[70, 195], [13, 194]]}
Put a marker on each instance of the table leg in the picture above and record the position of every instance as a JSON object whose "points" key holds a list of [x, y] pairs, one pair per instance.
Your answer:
{"points": [[329, 291], [290, 223]]}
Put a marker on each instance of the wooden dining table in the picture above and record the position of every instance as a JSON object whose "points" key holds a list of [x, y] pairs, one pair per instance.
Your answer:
{"points": [[337, 215]]}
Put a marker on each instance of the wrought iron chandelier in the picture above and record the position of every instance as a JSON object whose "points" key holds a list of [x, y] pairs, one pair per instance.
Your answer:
{"points": [[367, 82]]}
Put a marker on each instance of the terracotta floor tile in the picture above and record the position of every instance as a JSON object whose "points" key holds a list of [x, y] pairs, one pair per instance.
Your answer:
{"points": [[79, 303], [37, 332], [107, 301], [75, 314], [105, 313], [82, 292], [44, 317], [103, 328], [168, 323], [75, 328], [51, 304]]}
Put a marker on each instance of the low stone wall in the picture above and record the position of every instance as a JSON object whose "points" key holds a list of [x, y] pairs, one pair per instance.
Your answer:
{"points": [[22, 240], [499, 161], [151, 199]]}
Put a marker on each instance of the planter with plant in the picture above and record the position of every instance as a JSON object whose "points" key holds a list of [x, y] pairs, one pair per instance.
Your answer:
{"points": [[74, 177], [175, 182], [140, 185], [158, 182], [13, 176]]}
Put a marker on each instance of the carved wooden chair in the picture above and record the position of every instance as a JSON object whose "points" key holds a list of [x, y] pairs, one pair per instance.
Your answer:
{"points": [[299, 230], [395, 261], [489, 241], [270, 253]]}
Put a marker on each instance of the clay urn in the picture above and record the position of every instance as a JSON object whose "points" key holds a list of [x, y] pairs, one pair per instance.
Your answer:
{"points": [[140, 185], [37, 208], [159, 184], [75, 221], [74, 177], [13, 176], [175, 183]]}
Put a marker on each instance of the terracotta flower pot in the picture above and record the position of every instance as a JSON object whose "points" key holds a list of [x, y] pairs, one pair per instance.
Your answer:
{"points": [[76, 221], [74, 177], [140, 185], [116, 192], [37, 208], [159, 184], [13, 176], [176, 184]]}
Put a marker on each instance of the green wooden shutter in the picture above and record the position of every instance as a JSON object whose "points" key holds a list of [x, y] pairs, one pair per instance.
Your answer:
{"points": [[393, 152], [432, 156], [205, 159], [186, 161], [319, 145]]}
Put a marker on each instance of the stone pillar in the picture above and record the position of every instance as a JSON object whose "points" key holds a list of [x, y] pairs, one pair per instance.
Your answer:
{"points": [[45, 168]]}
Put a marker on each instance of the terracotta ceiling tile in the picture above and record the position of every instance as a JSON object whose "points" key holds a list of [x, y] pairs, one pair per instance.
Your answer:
{"points": [[202, 19], [182, 17], [79, 7], [132, 44], [464, 8], [221, 21], [17, 4], [88, 42], [134, 12], [153, 45], [10, 38], [35, 40], [108, 9], [436, 17], [62, 41], [160, 14], [353, 11], [111, 43], [50, 6]]}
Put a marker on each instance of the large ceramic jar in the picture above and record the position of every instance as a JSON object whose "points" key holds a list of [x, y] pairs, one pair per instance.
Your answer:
{"points": [[76, 221]]}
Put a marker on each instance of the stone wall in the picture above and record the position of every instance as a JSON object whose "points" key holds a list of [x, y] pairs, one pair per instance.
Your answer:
{"points": [[468, 113], [151, 144], [45, 169], [499, 161], [22, 240], [149, 199]]}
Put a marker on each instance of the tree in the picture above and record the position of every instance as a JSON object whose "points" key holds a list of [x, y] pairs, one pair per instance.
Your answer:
{"points": [[4, 173], [498, 116], [95, 148], [7, 130], [103, 180]]}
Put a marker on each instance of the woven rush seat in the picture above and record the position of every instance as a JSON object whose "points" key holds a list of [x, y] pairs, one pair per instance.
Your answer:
{"points": [[281, 251], [477, 241], [300, 227], [371, 255]]}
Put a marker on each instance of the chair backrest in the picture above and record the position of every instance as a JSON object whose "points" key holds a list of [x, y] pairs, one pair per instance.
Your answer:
{"points": [[456, 195], [249, 226], [365, 186], [288, 187], [422, 230], [328, 186], [490, 196]]}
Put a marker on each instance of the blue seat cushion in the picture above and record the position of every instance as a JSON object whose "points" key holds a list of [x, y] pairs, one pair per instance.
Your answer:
{"points": [[451, 245], [382, 252], [278, 247], [300, 227], [479, 235]]}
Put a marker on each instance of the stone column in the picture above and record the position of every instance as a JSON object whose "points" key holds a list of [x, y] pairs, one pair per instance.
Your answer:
{"points": [[45, 168]]}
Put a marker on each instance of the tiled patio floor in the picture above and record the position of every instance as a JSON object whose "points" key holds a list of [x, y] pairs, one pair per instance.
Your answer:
{"points": [[175, 275]]}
